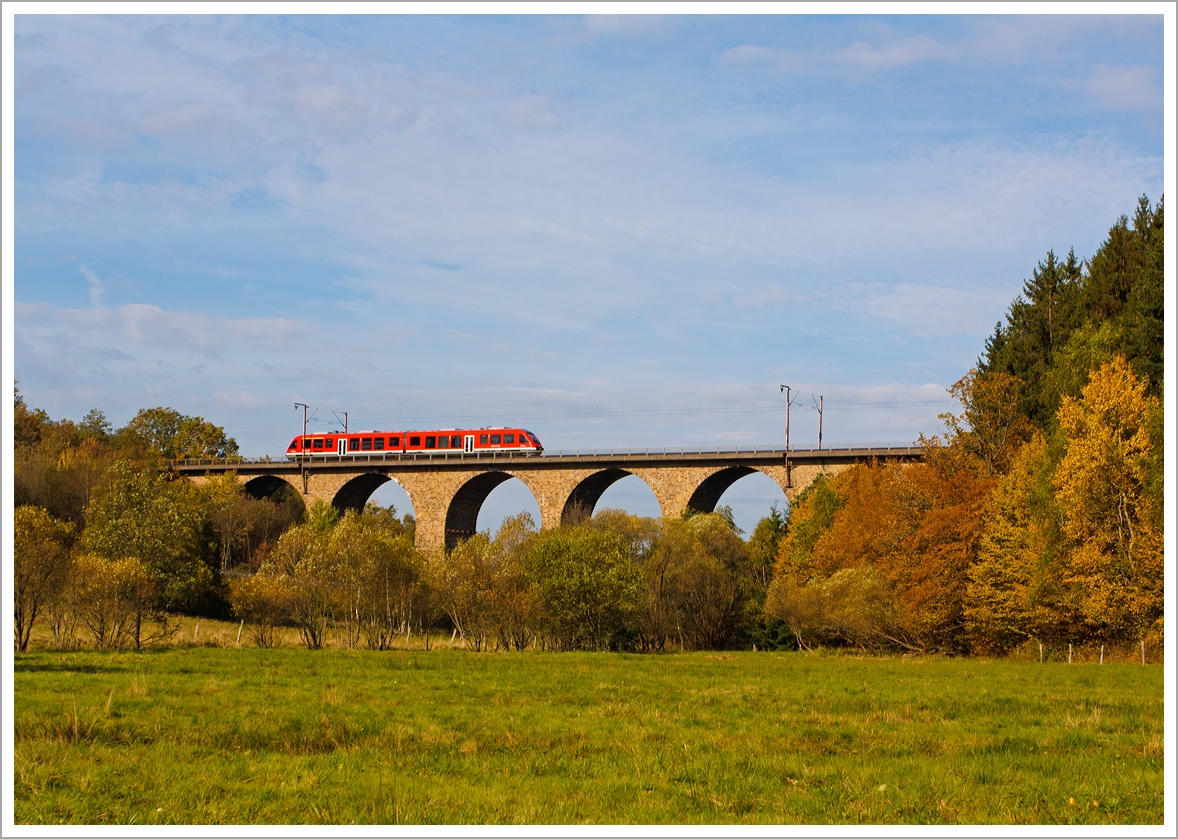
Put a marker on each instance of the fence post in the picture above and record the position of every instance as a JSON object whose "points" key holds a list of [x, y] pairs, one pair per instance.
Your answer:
{"points": [[1069, 652], [1102, 653]]}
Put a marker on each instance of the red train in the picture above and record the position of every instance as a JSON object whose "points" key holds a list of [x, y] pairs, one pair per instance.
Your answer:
{"points": [[446, 440]]}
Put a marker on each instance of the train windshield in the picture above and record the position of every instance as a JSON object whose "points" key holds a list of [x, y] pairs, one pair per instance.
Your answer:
{"points": [[535, 439]]}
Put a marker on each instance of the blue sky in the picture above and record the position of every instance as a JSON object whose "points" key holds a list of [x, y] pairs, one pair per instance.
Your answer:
{"points": [[616, 231]]}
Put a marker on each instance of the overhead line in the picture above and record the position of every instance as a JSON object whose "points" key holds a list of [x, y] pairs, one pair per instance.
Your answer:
{"points": [[621, 413]]}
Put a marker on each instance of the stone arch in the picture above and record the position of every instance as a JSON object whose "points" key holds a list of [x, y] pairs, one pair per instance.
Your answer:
{"points": [[462, 513], [589, 490], [354, 494], [264, 486], [708, 493]]}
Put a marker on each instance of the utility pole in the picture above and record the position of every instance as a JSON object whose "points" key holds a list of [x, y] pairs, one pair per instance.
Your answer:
{"points": [[818, 408], [345, 420], [788, 399], [303, 442]]}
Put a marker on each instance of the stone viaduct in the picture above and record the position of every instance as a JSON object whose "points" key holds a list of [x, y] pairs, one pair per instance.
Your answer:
{"points": [[447, 490]]}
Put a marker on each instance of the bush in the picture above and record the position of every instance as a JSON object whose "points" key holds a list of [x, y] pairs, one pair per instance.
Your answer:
{"points": [[264, 603]]}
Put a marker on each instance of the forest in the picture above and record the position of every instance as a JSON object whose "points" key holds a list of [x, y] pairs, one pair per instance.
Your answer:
{"points": [[1035, 517]]}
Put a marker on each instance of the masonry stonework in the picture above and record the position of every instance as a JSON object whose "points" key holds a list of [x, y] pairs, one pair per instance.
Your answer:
{"points": [[447, 501]]}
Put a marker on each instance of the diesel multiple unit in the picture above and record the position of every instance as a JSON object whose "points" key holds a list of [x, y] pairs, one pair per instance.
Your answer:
{"points": [[456, 440]]}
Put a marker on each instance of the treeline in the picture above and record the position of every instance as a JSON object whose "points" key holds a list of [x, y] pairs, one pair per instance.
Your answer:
{"points": [[104, 541], [109, 549], [1037, 516], [612, 582]]}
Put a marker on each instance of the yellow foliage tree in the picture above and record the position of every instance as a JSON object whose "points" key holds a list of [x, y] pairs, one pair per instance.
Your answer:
{"points": [[1114, 565]]}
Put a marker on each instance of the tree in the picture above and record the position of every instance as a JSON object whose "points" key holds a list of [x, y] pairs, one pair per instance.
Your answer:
{"points": [[162, 524], [166, 433], [589, 585], [811, 515], [26, 423], [990, 427], [303, 560], [762, 552], [461, 580], [1114, 557], [1038, 324], [1011, 596], [113, 598], [853, 605], [1073, 318], [702, 589], [377, 571], [41, 566]]}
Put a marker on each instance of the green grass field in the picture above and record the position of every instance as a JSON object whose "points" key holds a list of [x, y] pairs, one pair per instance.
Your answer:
{"points": [[213, 735]]}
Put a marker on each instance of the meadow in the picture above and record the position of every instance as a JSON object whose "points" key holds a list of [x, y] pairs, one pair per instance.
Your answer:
{"points": [[209, 734]]}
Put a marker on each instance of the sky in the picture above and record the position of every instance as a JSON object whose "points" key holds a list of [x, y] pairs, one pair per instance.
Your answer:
{"points": [[616, 231]]}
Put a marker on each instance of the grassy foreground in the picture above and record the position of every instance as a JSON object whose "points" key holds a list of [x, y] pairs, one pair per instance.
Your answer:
{"points": [[207, 735]]}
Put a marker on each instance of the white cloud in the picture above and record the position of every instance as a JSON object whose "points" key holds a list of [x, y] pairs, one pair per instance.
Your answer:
{"points": [[531, 113], [857, 56], [625, 24], [97, 286], [895, 54], [1127, 88]]}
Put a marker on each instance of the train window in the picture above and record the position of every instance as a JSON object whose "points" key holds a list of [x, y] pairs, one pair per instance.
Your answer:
{"points": [[306, 443], [509, 438], [414, 441], [482, 439], [443, 441], [318, 443], [378, 443], [395, 442], [494, 439], [431, 442], [354, 444], [328, 443], [366, 444], [455, 442]]}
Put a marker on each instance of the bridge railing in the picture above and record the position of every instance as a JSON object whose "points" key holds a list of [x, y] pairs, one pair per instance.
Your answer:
{"points": [[651, 451]]}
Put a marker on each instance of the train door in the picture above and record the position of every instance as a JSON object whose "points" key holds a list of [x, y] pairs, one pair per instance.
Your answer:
{"points": [[343, 446], [468, 448]]}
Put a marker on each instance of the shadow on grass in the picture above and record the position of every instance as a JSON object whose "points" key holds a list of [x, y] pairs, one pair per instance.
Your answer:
{"points": [[19, 666]]}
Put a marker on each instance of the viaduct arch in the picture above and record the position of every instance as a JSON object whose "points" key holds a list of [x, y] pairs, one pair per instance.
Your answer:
{"points": [[447, 491]]}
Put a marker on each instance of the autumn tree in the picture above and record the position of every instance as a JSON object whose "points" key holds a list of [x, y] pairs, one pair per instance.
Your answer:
{"points": [[461, 581], [42, 564], [1114, 552], [113, 599], [991, 427], [303, 560], [376, 570], [1013, 590], [263, 602]]}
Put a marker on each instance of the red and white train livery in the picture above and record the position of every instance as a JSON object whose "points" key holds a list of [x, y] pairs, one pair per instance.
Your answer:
{"points": [[446, 440]]}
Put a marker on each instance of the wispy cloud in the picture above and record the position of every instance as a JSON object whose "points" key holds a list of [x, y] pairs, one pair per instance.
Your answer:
{"points": [[97, 286]]}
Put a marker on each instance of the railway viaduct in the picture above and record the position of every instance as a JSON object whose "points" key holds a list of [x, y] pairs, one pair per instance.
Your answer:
{"points": [[447, 490]]}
